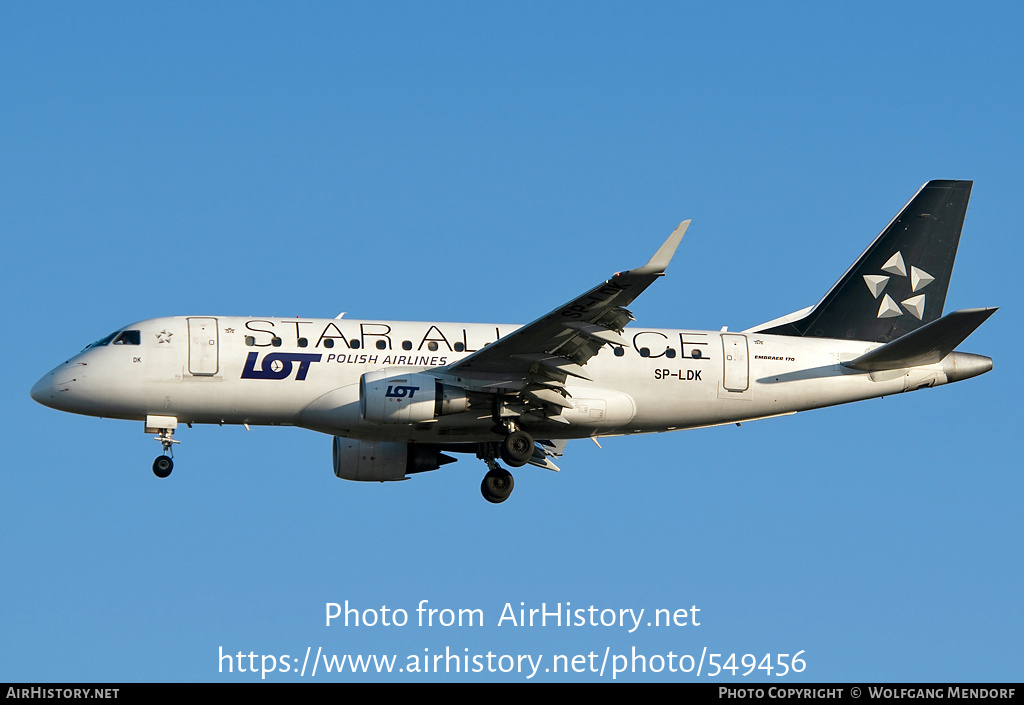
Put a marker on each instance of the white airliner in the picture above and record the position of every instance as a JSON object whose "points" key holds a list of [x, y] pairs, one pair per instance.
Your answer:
{"points": [[398, 396]]}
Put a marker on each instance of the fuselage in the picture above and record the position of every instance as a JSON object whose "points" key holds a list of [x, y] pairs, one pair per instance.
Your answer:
{"points": [[399, 396], [306, 372]]}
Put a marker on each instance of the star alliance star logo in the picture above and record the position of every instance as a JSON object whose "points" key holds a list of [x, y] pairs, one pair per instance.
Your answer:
{"points": [[919, 279], [164, 336]]}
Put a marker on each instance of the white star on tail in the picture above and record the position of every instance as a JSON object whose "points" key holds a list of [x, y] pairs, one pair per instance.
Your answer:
{"points": [[919, 279]]}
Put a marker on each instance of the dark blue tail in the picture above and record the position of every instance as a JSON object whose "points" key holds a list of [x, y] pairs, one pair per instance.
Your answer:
{"points": [[899, 284]]}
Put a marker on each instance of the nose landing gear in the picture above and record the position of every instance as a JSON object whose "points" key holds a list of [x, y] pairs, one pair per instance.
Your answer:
{"points": [[163, 427], [162, 466]]}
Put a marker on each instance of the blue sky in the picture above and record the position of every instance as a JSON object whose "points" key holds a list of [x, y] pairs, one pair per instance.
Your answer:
{"points": [[487, 162]]}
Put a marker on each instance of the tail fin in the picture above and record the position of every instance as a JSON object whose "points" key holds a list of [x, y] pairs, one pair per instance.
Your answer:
{"points": [[899, 284]]}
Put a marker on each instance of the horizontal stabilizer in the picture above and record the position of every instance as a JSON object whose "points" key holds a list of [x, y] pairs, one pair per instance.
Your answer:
{"points": [[924, 346]]}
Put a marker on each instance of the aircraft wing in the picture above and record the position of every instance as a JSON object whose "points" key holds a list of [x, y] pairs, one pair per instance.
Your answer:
{"points": [[533, 362]]}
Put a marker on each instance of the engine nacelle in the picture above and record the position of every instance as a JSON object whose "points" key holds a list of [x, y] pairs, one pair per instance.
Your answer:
{"points": [[389, 398], [383, 461]]}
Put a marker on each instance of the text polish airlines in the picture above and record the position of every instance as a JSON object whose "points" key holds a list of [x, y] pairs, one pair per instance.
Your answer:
{"points": [[398, 397]]}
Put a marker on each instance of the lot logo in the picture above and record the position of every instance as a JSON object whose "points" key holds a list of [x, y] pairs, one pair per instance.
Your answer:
{"points": [[278, 365], [400, 391]]}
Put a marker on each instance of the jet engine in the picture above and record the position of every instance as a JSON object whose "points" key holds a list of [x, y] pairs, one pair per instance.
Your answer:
{"points": [[389, 398], [384, 461]]}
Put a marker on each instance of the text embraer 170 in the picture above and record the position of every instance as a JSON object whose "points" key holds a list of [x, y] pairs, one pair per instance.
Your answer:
{"points": [[398, 396]]}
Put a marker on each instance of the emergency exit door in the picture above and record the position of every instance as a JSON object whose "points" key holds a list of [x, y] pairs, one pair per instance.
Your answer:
{"points": [[203, 358]]}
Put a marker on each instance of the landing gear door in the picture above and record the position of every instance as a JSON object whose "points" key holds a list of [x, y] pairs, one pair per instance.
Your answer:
{"points": [[203, 357], [737, 376]]}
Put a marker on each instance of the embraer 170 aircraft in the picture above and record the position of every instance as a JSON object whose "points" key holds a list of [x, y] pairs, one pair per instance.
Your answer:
{"points": [[398, 396]]}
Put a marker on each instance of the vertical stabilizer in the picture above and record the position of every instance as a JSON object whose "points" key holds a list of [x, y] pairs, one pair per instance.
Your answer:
{"points": [[899, 284]]}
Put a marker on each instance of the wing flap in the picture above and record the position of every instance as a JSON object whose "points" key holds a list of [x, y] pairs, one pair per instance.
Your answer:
{"points": [[545, 451], [597, 332], [547, 395], [554, 363]]}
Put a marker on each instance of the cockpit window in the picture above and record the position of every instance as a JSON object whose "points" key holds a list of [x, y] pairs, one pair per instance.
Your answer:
{"points": [[119, 337], [102, 341], [128, 337]]}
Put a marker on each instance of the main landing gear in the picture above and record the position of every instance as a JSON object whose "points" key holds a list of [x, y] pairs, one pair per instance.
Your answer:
{"points": [[498, 483], [516, 450]]}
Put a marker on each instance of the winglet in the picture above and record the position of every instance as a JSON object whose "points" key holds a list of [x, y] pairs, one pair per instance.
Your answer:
{"points": [[663, 256]]}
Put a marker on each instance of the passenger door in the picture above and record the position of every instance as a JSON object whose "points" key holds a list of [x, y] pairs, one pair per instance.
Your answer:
{"points": [[203, 356]]}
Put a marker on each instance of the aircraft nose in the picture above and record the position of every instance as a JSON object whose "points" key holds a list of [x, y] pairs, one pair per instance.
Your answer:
{"points": [[53, 388], [64, 388], [42, 391]]}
